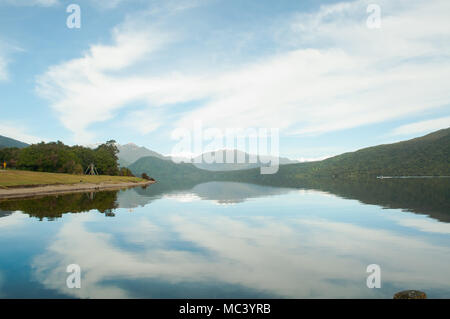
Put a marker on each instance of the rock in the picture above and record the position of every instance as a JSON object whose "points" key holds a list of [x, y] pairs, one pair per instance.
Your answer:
{"points": [[410, 294]]}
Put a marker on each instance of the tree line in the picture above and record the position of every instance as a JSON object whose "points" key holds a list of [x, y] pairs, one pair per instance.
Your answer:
{"points": [[56, 157]]}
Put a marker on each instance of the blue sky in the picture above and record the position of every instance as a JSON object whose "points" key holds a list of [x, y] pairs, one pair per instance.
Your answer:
{"points": [[137, 70]]}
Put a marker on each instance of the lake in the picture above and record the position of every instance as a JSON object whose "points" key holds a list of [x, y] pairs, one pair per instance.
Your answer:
{"points": [[230, 240]]}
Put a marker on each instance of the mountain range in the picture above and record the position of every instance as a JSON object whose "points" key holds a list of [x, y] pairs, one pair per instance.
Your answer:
{"points": [[428, 155], [130, 153], [9, 142], [424, 156], [240, 160]]}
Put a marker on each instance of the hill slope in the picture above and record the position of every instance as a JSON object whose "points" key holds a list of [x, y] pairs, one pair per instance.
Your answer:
{"points": [[424, 156], [237, 156], [427, 155], [130, 153], [9, 142], [167, 171]]}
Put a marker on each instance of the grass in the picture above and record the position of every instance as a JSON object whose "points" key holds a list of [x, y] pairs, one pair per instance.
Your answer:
{"points": [[17, 178]]}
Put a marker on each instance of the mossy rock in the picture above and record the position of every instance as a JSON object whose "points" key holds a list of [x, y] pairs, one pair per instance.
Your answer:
{"points": [[410, 294]]}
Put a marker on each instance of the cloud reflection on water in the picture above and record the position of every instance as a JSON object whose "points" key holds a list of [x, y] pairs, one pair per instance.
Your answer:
{"points": [[294, 257]]}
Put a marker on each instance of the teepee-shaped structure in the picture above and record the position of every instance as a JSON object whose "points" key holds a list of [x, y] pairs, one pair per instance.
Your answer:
{"points": [[91, 170]]}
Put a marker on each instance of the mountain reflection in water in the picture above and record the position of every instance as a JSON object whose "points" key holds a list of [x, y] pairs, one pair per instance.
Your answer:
{"points": [[230, 240], [423, 196]]}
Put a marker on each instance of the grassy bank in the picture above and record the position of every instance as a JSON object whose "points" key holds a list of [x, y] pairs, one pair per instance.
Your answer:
{"points": [[16, 178]]}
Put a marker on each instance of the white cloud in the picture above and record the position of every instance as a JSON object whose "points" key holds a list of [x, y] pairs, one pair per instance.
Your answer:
{"points": [[140, 122], [108, 4], [6, 49], [423, 126], [313, 159], [3, 70], [18, 132], [83, 91], [44, 3], [339, 75], [293, 267], [183, 197], [345, 75], [424, 224], [16, 219]]}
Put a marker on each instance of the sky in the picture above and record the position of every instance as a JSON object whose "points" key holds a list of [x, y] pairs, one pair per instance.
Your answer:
{"points": [[321, 72]]}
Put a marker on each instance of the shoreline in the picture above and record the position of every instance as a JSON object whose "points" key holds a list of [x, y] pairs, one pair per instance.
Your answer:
{"points": [[40, 190]]}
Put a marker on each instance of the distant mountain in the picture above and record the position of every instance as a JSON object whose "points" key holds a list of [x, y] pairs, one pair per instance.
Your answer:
{"points": [[423, 156], [426, 155], [239, 160], [9, 142], [424, 196], [161, 167], [219, 192], [168, 171], [130, 153]]}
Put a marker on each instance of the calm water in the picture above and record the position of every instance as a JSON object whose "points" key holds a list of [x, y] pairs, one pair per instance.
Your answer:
{"points": [[230, 240]]}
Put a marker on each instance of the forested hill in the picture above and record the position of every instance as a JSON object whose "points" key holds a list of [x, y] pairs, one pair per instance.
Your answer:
{"points": [[167, 171], [56, 157], [424, 156], [427, 155], [130, 153], [9, 142]]}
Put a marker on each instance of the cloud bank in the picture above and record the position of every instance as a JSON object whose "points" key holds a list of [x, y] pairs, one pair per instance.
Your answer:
{"points": [[423, 126], [44, 3], [291, 268], [331, 72]]}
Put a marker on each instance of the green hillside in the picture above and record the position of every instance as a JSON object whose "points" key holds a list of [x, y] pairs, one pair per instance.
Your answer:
{"points": [[9, 142], [423, 156], [166, 170], [130, 153], [427, 155], [236, 156]]}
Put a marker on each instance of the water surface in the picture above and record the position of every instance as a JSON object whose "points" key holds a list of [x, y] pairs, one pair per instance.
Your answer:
{"points": [[230, 240]]}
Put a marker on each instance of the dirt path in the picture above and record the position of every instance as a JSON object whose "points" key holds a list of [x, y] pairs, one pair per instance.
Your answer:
{"points": [[64, 189]]}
